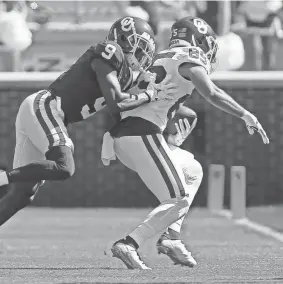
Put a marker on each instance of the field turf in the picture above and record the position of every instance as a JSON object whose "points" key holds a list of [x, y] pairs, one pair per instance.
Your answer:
{"points": [[270, 216], [68, 246]]}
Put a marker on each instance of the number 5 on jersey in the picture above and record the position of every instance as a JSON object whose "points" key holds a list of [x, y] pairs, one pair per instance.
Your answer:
{"points": [[109, 51]]}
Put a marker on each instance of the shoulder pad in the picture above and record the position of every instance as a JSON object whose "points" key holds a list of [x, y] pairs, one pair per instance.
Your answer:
{"points": [[110, 52], [193, 55]]}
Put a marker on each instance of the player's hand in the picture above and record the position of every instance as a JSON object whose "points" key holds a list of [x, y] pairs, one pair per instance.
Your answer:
{"points": [[253, 125], [147, 76], [165, 90], [184, 129]]}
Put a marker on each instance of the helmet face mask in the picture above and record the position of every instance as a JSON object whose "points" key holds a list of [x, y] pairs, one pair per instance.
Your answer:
{"points": [[142, 50], [212, 53], [213, 48], [133, 62], [136, 39]]}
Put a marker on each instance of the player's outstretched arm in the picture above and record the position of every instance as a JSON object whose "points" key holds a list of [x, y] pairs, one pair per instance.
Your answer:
{"points": [[221, 99], [116, 100]]}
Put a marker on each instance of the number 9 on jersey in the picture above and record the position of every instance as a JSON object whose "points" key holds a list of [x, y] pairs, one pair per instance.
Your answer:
{"points": [[109, 51]]}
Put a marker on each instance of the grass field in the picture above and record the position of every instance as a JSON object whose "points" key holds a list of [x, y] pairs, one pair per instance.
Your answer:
{"points": [[67, 246]]}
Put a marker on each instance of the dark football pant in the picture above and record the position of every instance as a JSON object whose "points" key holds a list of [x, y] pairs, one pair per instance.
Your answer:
{"points": [[43, 151]]}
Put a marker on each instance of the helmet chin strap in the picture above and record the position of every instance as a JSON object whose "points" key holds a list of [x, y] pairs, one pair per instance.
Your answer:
{"points": [[194, 40]]}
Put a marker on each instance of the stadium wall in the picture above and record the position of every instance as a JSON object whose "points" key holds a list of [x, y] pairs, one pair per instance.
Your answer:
{"points": [[218, 139]]}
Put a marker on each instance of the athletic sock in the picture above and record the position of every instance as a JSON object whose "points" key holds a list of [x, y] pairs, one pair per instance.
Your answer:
{"points": [[130, 241], [164, 236]]}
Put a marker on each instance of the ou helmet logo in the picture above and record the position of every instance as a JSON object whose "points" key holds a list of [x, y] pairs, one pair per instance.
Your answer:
{"points": [[127, 24], [201, 26]]}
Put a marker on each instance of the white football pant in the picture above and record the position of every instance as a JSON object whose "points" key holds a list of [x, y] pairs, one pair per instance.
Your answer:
{"points": [[37, 131], [172, 176]]}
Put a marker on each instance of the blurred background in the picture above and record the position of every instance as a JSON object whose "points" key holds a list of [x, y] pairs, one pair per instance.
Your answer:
{"points": [[48, 36]]}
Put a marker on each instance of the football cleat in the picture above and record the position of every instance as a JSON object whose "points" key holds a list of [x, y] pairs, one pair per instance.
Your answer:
{"points": [[177, 251], [128, 254]]}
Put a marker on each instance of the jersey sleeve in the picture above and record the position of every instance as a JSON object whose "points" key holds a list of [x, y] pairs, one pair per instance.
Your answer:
{"points": [[194, 55], [111, 53]]}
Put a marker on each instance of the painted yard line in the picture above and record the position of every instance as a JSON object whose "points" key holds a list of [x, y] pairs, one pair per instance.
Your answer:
{"points": [[251, 225]]}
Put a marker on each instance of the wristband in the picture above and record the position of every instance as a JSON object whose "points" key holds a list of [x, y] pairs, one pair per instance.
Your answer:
{"points": [[149, 98]]}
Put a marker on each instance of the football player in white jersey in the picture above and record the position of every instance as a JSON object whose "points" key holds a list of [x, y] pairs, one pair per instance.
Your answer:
{"points": [[140, 145]]}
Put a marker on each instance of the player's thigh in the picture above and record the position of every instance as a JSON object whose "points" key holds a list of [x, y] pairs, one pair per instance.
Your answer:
{"points": [[150, 157], [45, 126], [25, 151], [125, 149]]}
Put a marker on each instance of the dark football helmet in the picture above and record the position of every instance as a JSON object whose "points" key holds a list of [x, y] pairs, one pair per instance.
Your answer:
{"points": [[136, 38], [194, 31]]}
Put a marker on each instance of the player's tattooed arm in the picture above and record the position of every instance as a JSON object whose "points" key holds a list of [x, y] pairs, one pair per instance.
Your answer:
{"points": [[116, 100]]}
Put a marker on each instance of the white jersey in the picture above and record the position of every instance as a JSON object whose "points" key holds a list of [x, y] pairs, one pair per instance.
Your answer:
{"points": [[166, 63]]}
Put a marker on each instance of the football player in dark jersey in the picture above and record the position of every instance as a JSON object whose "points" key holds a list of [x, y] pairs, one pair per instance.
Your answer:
{"points": [[101, 76]]}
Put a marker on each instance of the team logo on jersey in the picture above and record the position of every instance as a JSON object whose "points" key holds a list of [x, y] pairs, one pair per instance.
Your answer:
{"points": [[127, 24]]}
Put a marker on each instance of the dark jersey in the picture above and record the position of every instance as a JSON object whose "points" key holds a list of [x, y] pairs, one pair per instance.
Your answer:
{"points": [[78, 87]]}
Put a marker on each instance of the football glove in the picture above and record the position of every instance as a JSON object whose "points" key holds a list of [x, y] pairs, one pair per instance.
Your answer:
{"points": [[165, 90], [253, 125], [184, 129]]}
